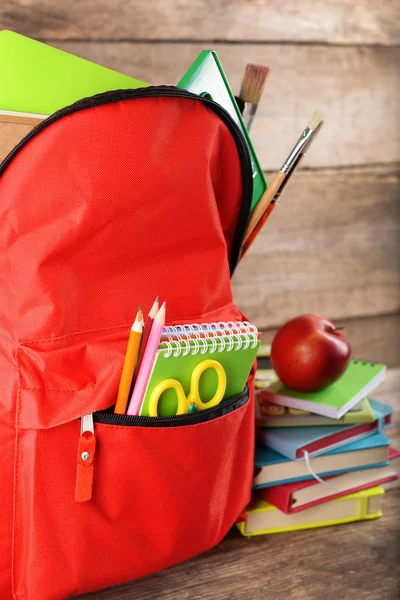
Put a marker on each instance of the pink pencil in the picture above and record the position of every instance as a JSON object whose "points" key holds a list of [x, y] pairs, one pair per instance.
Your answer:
{"points": [[147, 363], [146, 335]]}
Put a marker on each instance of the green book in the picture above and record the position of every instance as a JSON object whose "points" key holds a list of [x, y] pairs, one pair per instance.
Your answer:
{"points": [[206, 77], [357, 382], [37, 78], [235, 354]]}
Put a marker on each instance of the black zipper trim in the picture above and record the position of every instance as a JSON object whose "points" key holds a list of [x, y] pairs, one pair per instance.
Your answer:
{"points": [[226, 407], [170, 91]]}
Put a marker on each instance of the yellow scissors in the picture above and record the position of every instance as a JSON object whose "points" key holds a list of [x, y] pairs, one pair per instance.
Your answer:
{"points": [[192, 402]]}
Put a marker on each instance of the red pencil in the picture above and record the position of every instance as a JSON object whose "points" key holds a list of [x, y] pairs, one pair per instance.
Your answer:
{"points": [[146, 333]]}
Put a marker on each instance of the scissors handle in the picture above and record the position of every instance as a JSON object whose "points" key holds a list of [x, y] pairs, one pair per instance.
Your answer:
{"points": [[194, 395], [160, 389]]}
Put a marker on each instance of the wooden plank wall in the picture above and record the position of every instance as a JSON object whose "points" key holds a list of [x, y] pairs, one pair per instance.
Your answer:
{"points": [[332, 245]]}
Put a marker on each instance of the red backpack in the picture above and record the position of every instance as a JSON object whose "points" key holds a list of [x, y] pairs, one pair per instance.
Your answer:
{"points": [[105, 204]]}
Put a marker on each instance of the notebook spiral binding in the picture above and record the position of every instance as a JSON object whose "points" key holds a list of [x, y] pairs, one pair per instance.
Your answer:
{"points": [[206, 328], [207, 337]]}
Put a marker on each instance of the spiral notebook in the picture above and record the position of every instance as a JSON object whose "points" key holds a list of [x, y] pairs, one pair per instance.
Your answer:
{"points": [[183, 347]]}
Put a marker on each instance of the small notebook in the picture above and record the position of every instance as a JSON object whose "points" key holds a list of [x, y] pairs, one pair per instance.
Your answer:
{"points": [[359, 379], [183, 347]]}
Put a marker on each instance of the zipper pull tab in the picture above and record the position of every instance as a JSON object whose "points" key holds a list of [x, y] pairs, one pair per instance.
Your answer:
{"points": [[85, 467]]}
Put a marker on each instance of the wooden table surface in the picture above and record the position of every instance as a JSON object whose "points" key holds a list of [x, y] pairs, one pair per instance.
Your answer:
{"points": [[356, 560]]}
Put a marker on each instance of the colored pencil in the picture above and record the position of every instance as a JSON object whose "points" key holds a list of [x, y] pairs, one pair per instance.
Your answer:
{"points": [[147, 328], [128, 368], [275, 189], [147, 363], [253, 83]]}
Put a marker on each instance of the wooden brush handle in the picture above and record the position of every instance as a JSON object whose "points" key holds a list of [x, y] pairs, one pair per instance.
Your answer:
{"points": [[250, 239], [266, 199]]}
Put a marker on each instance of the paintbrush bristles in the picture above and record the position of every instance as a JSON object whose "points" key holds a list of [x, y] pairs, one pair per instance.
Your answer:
{"points": [[315, 120], [254, 79]]}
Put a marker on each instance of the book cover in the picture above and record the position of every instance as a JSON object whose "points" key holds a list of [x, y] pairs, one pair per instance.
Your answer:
{"points": [[39, 78], [293, 443], [273, 468], [357, 382], [276, 415], [300, 495], [262, 517], [206, 77]]}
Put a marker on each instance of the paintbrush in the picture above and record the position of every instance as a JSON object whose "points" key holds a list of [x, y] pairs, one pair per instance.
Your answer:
{"points": [[254, 79], [275, 189]]}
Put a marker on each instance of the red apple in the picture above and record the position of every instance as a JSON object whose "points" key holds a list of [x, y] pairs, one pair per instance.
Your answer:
{"points": [[309, 352]]}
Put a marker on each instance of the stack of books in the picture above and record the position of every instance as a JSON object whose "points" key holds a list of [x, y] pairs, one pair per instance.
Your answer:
{"points": [[321, 458]]}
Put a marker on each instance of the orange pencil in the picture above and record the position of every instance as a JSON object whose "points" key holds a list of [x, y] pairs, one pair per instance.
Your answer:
{"points": [[129, 364]]}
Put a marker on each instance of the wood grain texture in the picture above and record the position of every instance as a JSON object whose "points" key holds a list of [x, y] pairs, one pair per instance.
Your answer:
{"points": [[372, 338], [357, 89], [330, 247], [332, 21]]}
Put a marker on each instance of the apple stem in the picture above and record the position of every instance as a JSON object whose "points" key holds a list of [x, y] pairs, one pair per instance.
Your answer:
{"points": [[333, 329]]}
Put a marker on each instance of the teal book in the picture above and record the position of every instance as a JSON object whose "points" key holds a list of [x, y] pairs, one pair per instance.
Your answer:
{"points": [[273, 468], [357, 382], [177, 360]]}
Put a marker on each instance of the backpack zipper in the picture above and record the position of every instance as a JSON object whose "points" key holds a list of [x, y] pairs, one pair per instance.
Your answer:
{"points": [[85, 460], [226, 407], [173, 92]]}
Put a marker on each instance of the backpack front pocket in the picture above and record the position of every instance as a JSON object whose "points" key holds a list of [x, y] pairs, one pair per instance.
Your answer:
{"points": [[161, 493]]}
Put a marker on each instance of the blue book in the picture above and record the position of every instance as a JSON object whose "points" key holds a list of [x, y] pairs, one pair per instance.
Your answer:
{"points": [[295, 442], [272, 468]]}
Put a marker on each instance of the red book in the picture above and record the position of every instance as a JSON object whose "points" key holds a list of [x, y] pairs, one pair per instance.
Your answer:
{"points": [[293, 497]]}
